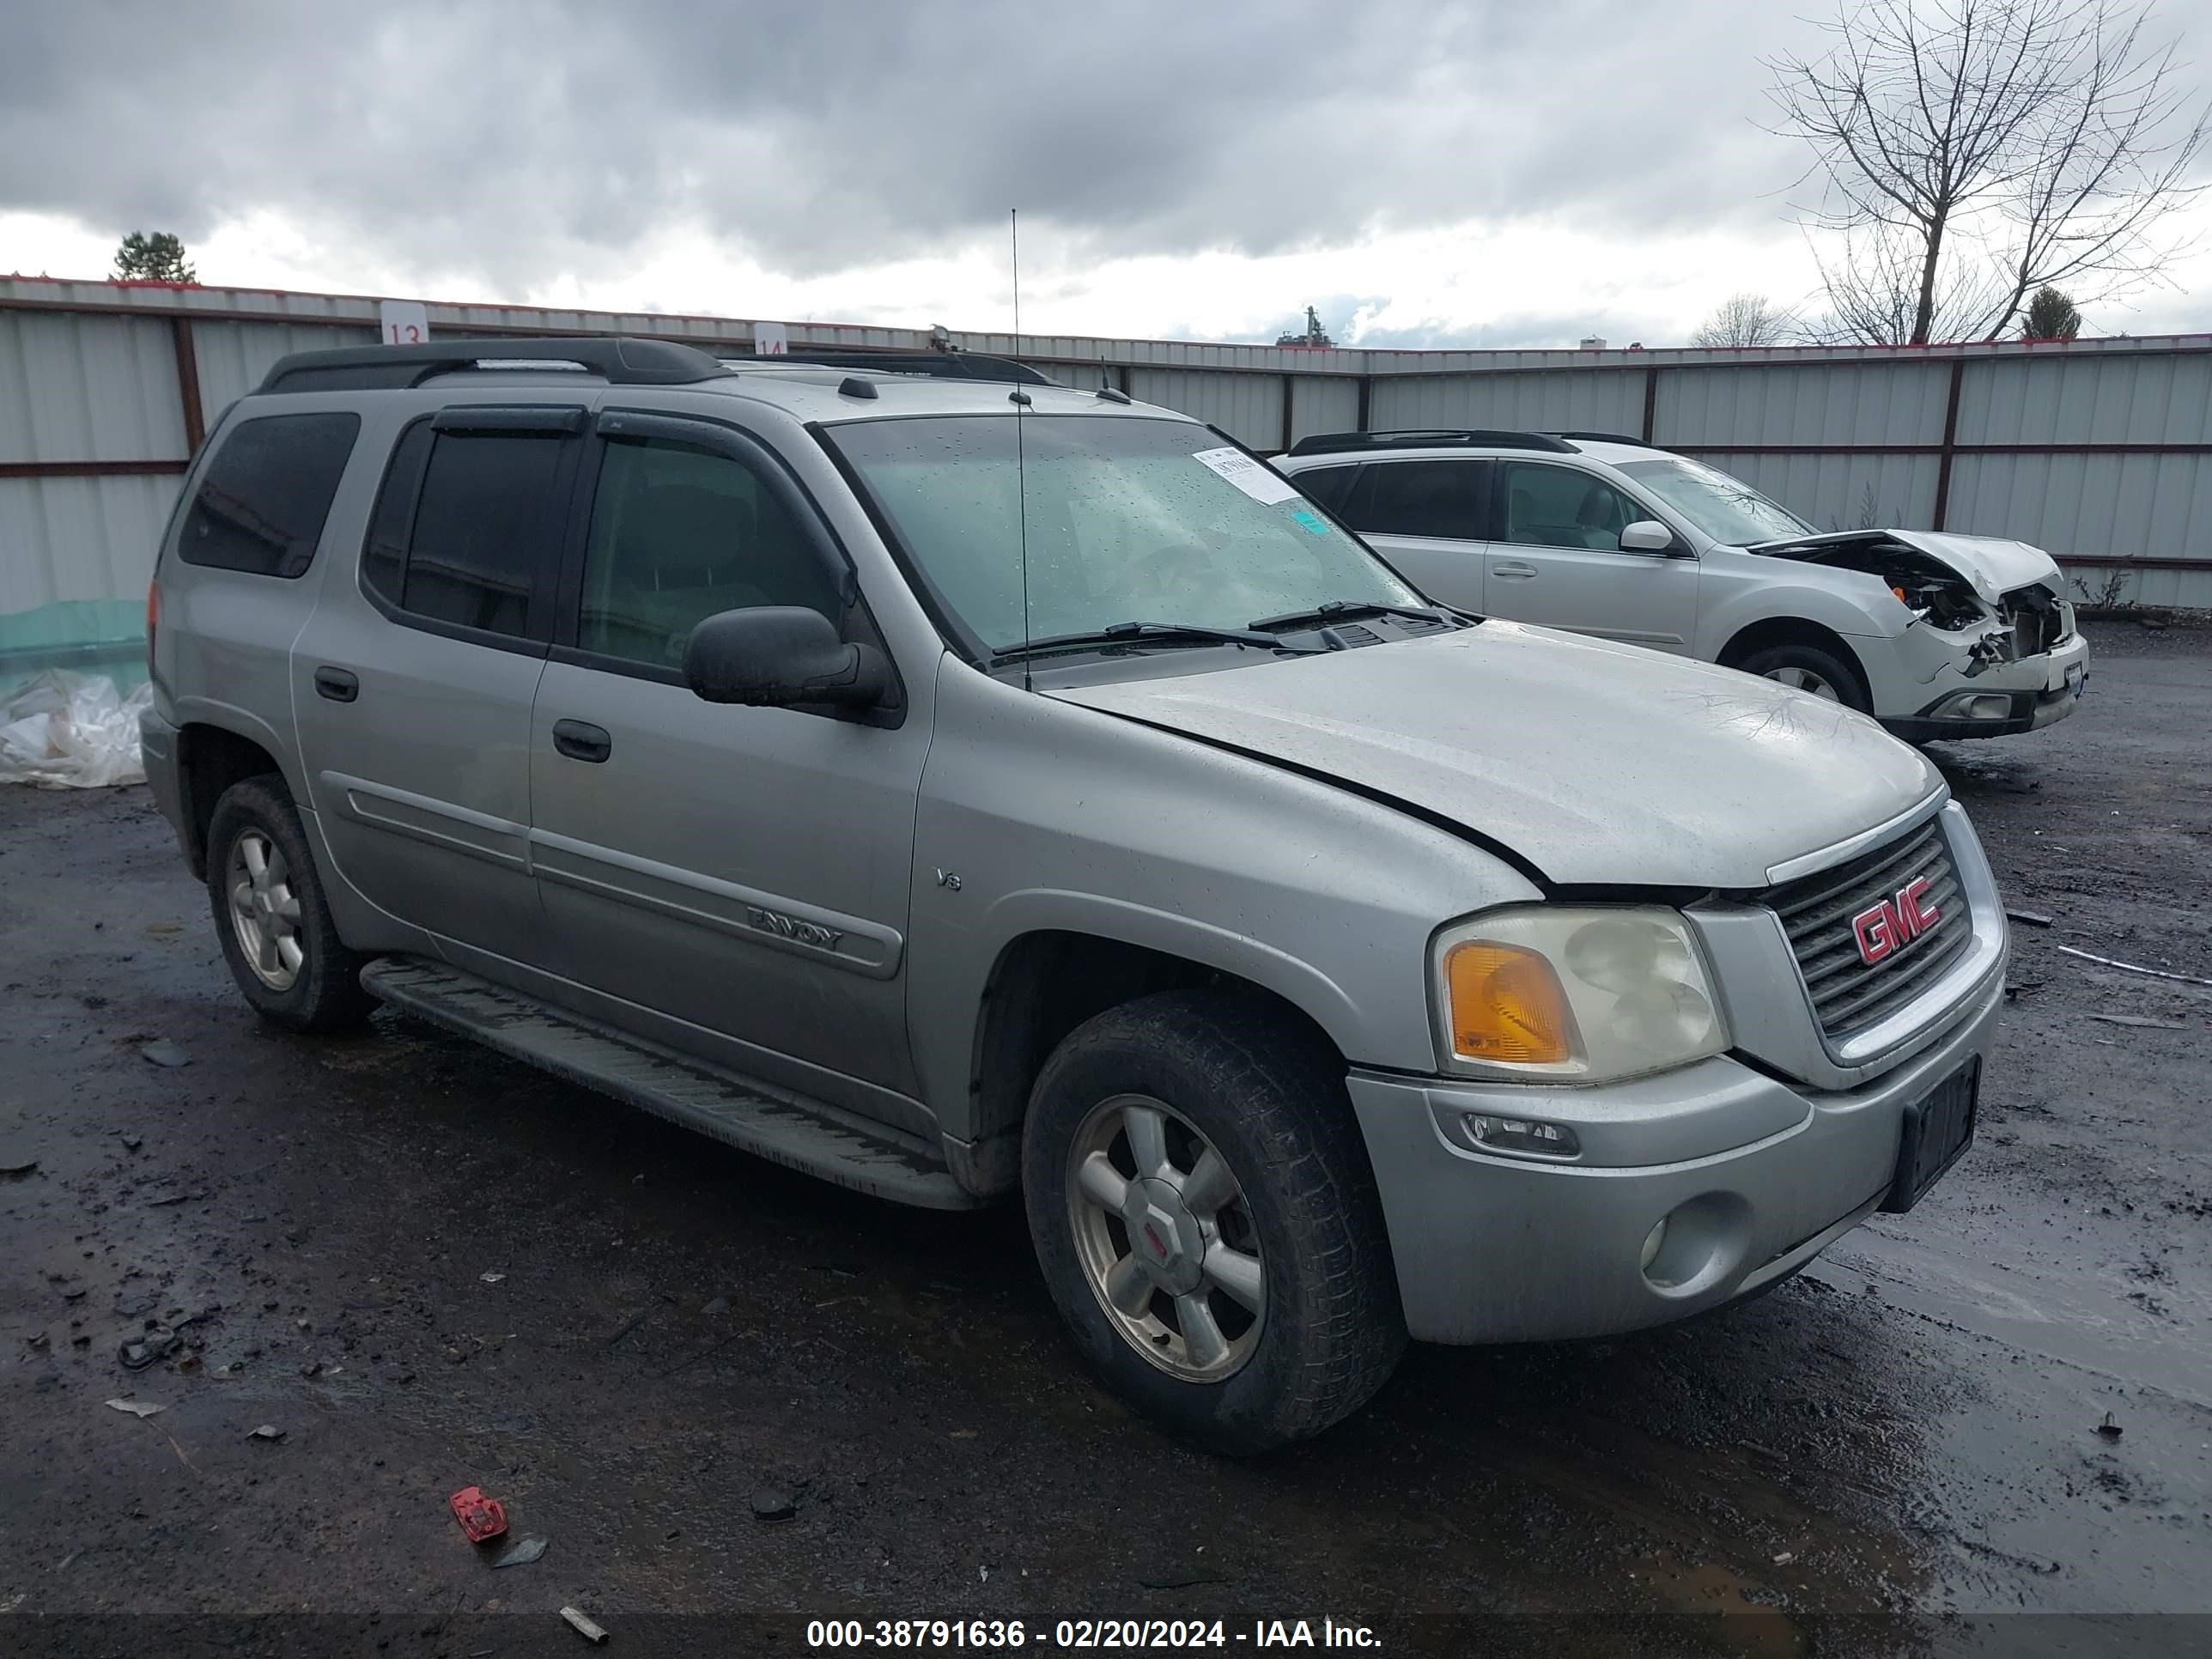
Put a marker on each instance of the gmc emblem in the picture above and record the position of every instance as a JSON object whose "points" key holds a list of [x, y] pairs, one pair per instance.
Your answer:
{"points": [[1884, 929]]}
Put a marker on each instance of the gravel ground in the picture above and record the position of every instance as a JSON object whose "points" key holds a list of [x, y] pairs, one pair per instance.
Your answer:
{"points": [[428, 1268]]}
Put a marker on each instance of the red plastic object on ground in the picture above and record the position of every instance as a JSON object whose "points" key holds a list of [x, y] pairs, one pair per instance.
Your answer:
{"points": [[481, 1517]]}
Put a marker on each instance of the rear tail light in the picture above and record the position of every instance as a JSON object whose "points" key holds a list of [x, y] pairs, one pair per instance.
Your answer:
{"points": [[153, 621]]}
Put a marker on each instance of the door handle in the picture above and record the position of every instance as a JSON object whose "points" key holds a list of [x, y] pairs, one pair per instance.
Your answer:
{"points": [[339, 684], [1513, 570], [581, 740]]}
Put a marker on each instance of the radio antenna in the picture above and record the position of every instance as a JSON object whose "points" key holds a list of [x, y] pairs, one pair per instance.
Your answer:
{"points": [[1021, 402]]}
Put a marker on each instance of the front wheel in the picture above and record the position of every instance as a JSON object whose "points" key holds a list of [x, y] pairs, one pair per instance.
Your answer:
{"points": [[1202, 1206], [1810, 668]]}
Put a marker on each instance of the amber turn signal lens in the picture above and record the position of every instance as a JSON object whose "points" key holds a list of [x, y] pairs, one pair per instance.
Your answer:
{"points": [[1507, 1004]]}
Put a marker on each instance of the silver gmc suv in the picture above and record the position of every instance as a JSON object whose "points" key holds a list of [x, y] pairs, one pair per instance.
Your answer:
{"points": [[955, 785]]}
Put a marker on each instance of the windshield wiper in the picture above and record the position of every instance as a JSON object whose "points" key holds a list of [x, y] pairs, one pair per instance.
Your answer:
{"points": [[1332, 610], [1135, 632]]}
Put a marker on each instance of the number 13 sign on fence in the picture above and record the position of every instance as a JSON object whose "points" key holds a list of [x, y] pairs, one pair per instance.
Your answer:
{"points": [[403, 322]]}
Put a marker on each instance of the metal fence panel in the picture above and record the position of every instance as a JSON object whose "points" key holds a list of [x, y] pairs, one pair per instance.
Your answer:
{"points": [[1600, 400], [454, 319], [1249, 407], [1841, 492], [2158, 399], [234, 357], [1323, 402], [88, 381], [1896, 403], [2144, 508], [76, 554], [88, 388], [2141, 582], [1084, 377], [80, 539]]}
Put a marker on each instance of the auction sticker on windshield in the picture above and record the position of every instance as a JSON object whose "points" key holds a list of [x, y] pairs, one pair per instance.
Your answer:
{"points": [[1262, 483]]}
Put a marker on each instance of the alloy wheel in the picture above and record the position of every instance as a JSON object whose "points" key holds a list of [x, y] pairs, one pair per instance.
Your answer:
{"points": [[265, 911], [1166, 1237], [1807, 679]]}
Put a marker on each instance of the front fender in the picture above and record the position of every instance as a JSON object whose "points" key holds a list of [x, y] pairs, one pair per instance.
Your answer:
{"points": [[1848, 603], [1038, 815], [1305, 987]]}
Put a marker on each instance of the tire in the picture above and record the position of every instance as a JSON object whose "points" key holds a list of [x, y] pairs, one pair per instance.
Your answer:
{"points": [[306, 978], [1796, 664], [1232, 1071]]}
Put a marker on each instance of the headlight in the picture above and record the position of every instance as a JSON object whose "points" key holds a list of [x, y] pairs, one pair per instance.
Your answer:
{"points": [[1590, 995]]}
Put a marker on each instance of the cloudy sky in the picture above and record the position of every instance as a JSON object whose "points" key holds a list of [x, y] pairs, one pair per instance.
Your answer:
{"points": [[1425, 172]]}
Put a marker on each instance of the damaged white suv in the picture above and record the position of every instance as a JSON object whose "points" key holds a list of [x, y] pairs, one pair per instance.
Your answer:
{"points": [[1934, 635]]}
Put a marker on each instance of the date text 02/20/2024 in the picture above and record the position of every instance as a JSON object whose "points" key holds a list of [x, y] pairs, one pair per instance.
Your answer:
{"points": [[1087, 1634]]}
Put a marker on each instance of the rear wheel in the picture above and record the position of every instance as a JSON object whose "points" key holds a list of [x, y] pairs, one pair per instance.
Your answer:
{"points": [[276, 931], [1811, 669], [1203, 1209]]}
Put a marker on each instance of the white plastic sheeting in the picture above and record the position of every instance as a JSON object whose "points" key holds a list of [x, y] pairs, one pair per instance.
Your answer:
{"points": [[64, 731]]}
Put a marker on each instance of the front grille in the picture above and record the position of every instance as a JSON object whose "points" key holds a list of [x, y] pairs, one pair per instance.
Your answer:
{"points": [[1817, 911], [2038, 622]]}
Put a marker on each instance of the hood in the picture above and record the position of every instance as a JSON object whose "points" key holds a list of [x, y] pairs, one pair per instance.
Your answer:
{"points": [[1595, 761], [1991, 564]]}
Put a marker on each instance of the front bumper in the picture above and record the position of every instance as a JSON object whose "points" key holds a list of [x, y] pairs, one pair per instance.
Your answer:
{"points": [[2039, 689], [1499, 1249]]}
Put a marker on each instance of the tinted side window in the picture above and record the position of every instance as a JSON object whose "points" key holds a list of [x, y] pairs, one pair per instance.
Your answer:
{"points": [[1330, 486], [1564, 506], [1422, 498], [384, 556], [467, 546], [679, 534], [262, 500]]}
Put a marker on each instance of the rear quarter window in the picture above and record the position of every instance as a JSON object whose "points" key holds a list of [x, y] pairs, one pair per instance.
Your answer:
{"points": [[1422, 498], [1330, 486], [262, 500]]}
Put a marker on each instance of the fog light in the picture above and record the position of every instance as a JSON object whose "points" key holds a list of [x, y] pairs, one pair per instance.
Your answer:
{"points": [[1699, 1244], [1525, 1137], [1979, 706]]}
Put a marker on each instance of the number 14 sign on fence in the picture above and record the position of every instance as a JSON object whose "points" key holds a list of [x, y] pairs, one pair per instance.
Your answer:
{"points": [[403, 322]]}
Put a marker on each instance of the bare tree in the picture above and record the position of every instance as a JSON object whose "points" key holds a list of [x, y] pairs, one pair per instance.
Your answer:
{"points": [[1744, 320], [1972, 151]]}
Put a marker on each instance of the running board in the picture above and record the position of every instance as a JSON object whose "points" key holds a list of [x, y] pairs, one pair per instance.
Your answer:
{"points": [[820, 1140]]}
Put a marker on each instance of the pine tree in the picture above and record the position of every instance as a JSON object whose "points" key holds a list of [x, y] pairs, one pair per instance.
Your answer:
{"points": [[2050, 316], [156, 258]]}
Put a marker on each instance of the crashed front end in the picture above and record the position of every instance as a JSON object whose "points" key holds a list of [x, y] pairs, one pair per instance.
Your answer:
{"points": [[1988, 646]]}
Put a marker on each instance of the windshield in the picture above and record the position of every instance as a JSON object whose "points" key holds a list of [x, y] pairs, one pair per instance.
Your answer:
{"points": [[1726, 509], [1128, 520]]}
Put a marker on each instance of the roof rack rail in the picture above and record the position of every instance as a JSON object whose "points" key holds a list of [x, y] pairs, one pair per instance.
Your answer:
{"points": [[1607, 438], [935, 365], [1325, 443], [618, 360]]}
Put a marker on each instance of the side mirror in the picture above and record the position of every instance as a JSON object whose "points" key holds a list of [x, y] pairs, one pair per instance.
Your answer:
{"points": [[1647, 536], [771, 656]]}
